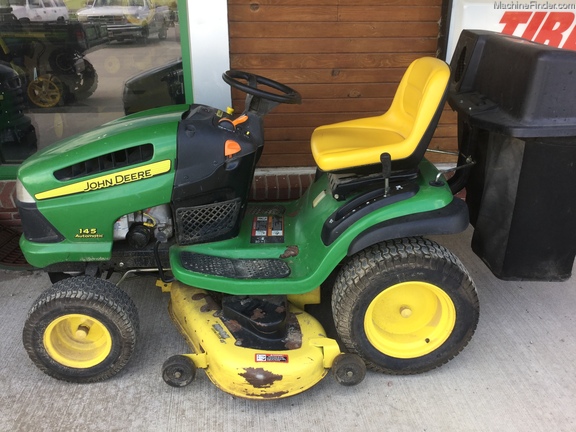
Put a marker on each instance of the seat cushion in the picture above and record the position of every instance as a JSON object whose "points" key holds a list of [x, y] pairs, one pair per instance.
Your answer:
{"points": [[335, 147]]}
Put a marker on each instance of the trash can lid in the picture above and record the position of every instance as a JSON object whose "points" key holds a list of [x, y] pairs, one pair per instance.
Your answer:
{"points": [[513, 86]]}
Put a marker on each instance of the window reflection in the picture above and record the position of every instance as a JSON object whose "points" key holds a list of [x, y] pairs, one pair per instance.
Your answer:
{"points": [[118, 3], [60, 75]]}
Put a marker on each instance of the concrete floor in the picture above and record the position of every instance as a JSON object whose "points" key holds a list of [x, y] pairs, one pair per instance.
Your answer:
{"points": [[517, 374]]}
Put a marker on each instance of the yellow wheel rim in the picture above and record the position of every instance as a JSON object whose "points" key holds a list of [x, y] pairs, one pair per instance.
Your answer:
{"points": [[44, 92], [77, 341], [410, 319]]}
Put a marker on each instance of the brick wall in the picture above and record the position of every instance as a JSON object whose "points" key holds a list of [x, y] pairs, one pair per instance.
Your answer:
{"points": [[278, 185]]}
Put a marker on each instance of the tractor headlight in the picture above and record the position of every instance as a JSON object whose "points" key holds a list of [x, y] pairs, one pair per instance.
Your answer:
{"points": [[22, 194]]}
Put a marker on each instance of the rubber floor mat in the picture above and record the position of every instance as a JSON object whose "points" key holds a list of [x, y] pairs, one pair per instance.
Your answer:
{"points": [[10, 254]]}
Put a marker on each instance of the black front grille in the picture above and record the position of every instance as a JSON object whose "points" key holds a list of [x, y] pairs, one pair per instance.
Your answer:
{"points": [[12, 83], [205, 222], [107, 19]]}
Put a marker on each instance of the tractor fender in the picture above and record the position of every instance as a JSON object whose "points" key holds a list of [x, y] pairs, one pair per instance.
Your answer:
{"points": [[451, 219]]}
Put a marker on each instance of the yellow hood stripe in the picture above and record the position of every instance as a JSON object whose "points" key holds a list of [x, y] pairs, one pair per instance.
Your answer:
{"points": [[108, 180]]}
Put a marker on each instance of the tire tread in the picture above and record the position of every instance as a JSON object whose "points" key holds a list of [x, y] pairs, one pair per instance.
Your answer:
{"points": [[91, 293], [392, 256]]}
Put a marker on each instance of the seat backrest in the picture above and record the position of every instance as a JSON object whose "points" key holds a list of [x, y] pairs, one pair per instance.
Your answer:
{"points": [[404, 131], [418, 104]]}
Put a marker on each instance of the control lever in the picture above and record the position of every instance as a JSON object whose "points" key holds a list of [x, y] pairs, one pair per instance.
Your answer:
{"points": [[386, 161]]}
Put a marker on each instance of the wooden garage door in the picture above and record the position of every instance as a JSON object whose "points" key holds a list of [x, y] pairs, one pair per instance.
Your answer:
{"points": [[345, 58]]}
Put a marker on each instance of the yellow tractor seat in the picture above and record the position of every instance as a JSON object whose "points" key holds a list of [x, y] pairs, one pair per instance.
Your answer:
{"points": [[404, 131]]}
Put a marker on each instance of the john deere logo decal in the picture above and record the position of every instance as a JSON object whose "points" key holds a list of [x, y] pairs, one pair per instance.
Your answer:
{"points": [[109, 180]]}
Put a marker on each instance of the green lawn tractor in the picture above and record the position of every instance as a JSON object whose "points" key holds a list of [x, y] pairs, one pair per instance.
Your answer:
{"points": [[166, 191], [17, 134]]}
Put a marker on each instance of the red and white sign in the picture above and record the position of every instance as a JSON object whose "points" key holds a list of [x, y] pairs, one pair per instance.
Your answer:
{"points": [[550, 23]]}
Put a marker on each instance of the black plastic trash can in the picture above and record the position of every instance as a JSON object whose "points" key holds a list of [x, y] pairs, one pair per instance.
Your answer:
{"points": [[516, 105]]}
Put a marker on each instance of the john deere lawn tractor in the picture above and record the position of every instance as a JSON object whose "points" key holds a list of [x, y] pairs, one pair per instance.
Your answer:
{"points": [[165, 191]]}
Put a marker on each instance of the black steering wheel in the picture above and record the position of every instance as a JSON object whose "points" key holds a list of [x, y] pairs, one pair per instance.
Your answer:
{"points": [[287, 94]]}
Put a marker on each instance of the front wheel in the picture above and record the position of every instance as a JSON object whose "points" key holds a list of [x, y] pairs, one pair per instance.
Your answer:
{"points": [[81, 330], [405, 306], [46, 91]]}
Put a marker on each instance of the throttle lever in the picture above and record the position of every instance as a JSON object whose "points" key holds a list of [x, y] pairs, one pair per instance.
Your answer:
{"points": [[386, 161]]}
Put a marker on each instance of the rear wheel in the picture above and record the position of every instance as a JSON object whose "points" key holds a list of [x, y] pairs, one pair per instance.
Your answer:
{"points": [[405, 306], [83, 329]]}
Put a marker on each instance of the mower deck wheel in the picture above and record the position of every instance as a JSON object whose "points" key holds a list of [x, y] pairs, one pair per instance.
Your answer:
{"points": [[178, 371], [348, 369]]}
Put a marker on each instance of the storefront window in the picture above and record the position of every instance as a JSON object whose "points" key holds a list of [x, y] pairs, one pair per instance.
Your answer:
{"points": [[66, 68]]}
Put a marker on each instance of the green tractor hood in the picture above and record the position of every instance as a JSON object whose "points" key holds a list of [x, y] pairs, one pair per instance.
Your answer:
{"points": [[88, 154], [71, 193]]}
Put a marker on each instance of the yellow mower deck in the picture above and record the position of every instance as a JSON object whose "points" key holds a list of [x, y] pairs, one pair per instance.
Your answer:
{"points": [[246, 372]]}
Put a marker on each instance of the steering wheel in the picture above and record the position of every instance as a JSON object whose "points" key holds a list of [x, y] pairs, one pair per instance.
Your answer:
{"points": [[287, 94]]}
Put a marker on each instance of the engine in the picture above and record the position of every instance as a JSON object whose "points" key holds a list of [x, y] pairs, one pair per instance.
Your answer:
{"points": [[140, 227]]}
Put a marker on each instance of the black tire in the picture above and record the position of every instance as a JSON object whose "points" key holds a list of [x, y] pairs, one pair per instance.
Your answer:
{"points": [[89, 82], [62, 61], [144, 34], [83, 329], [178, 371], [405, 306]]}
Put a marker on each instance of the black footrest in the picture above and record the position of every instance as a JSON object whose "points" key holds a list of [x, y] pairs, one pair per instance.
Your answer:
{"points": [[235, 268]]}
